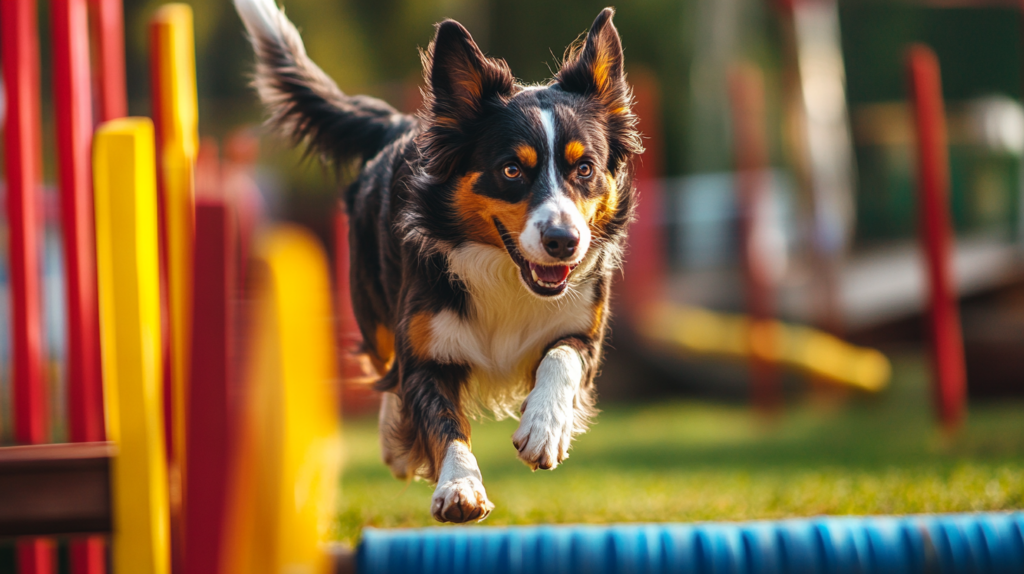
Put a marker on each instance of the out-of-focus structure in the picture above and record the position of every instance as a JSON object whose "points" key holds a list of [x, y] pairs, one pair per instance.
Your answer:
{"points": [[836, 243]]}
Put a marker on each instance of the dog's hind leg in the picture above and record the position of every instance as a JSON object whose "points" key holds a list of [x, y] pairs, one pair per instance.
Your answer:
{"points": [[436, 432], [560, 404]]}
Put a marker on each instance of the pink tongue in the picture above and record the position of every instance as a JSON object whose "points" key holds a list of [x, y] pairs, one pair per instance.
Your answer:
{"points": [[550, 273]]}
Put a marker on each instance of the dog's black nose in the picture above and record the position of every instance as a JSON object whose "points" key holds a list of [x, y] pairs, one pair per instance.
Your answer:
{"points": [[560, 242]]}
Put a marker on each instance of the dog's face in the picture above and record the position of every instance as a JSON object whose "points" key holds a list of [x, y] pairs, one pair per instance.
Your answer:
{"points": [[535, 171]]}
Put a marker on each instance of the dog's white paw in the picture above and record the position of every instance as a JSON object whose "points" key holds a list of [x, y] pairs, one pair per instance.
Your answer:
{"points": [[460, 500], [544, 433]]}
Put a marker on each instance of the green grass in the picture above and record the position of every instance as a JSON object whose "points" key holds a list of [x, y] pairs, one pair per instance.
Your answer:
{"points": [[680, 460]]}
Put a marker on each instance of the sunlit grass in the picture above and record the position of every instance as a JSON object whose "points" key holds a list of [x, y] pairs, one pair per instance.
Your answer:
{"points": [[685, 461]]}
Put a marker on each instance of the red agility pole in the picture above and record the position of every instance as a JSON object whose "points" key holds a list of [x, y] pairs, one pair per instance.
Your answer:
{"points": [[357, 396], [209, 412], [20, 47], [936, 234], [750, 140], [644, 274], [108, 31], [22, 143], [73, 114], [348, 330]]}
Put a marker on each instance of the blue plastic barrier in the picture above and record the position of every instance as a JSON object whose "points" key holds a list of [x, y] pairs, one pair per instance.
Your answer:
{"points": [[947, 544]]}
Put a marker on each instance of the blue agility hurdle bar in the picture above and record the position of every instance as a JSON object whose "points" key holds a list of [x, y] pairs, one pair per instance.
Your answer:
{"points": [[952, 543]]}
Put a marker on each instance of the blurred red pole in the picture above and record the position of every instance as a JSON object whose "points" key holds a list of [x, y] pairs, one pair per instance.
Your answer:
{"points": [[209, 409], [73, 115], [936, 234], [22, 147], [746, 92], [644, 274], [357, 396], [241, 152], [19, 44], [348, 329], [107, 17]]}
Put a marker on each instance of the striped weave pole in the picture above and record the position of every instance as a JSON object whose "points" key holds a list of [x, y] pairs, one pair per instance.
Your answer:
{"points": [[950, 544]]}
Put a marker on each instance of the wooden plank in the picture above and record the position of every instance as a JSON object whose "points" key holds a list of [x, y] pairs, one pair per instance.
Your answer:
{"points": [[124, 175], [55, 489]]}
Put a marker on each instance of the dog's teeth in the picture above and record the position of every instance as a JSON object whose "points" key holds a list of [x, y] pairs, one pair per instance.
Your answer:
{"points": [[535, 277]]}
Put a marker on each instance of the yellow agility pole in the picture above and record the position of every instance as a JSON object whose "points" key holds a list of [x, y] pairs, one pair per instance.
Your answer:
{"points": [[175, 112], [127, 262], [290, 449]]}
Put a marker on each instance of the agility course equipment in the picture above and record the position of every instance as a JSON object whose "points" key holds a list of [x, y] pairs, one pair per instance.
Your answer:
{"points": [[756, 338], [126, 244], [257, 489], [951, 543], [824, 356], [936, 234]]}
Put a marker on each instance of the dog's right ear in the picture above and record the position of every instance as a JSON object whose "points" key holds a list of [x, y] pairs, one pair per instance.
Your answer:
{"points": [[463, 82]]}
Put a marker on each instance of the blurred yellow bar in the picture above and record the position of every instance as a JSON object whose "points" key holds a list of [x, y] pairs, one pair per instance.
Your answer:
{"points": [[129, 295], [175, 109], [290, 451], [703, 332]]}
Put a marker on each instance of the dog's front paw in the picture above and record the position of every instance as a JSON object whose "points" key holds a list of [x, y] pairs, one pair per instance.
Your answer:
{"points": [[460, 500], [544, 434]]}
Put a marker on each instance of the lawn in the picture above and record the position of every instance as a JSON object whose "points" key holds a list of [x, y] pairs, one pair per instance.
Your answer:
{"points": [[679, 460]]}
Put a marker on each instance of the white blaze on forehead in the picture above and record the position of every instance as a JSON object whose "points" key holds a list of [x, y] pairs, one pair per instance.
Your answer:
{"points": [[558, 209]]}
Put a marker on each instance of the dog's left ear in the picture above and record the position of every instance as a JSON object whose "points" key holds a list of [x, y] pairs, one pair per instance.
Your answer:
{"points": [[463, 82], [596, 71]]}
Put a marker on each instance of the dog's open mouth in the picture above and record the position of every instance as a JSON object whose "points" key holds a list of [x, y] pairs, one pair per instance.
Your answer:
{"points": [[544, 280]]}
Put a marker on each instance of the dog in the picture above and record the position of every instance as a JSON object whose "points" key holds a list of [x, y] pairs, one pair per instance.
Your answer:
{"points": [[484, 233]]}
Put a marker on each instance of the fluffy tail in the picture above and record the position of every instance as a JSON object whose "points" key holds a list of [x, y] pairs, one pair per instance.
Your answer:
{"points": [[303, 102]]}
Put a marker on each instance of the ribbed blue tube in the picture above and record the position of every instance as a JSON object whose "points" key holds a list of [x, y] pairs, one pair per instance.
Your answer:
{"points": [[946, 544]]}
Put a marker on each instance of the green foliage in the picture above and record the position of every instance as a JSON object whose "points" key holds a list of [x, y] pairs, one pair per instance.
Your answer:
{"points": [[686, 461]]}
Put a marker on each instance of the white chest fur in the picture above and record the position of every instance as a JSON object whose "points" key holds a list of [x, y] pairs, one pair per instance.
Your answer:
{"points": [[507, 327]]}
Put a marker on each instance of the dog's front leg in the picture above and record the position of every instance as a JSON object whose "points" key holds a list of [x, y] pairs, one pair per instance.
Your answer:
{"points": [[438, 437], [558, 405]]}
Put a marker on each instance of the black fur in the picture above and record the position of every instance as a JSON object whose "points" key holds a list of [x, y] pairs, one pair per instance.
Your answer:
{"points": [[404, 207]]}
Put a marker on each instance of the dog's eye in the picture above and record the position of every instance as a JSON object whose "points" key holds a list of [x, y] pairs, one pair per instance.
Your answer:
{"points": [[512, 171], [584, 169]]}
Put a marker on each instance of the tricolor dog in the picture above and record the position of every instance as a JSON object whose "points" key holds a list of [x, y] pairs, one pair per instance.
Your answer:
{"points": [[484, 232]]}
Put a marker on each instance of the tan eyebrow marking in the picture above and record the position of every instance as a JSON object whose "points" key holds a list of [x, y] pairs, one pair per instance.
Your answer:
{"points": [[527, 155], [573, 151]]}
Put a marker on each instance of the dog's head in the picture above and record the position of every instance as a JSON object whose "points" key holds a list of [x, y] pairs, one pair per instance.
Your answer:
{"points": [[541, 172]]}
